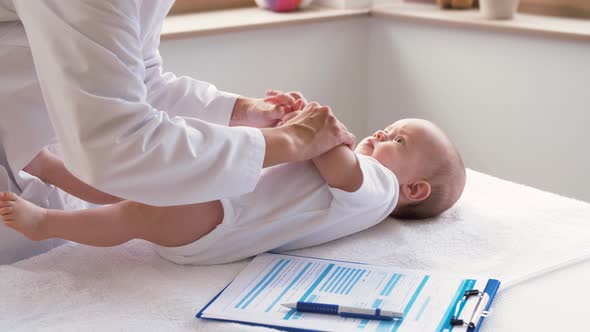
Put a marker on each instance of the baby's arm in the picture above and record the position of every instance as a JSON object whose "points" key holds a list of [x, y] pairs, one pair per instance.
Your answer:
{"points": [[340, 168], [49, 168]]}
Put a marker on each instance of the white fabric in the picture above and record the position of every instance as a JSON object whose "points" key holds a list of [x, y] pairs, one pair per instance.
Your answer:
{"points": [[553, 302], [497, 228], [292, 207], [89, 73], [7, 12]]}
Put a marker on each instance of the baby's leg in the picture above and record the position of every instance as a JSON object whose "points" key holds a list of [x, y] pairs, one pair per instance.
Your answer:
{"points": [[114, 224], [50, 169]]}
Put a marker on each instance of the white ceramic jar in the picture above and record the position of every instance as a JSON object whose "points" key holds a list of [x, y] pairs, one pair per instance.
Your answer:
{"points": [[498, 9]]}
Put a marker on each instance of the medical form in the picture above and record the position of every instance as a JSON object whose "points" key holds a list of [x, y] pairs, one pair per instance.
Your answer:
{"points": [[428, 301]]}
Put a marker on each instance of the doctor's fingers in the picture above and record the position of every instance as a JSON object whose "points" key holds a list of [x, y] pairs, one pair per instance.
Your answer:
{"points": [[311, 106], [348, 138], [339, 130], [288, 117], [298, 116], [280, 111]]}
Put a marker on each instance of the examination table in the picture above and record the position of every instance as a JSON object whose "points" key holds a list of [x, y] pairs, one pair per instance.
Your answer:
{"points": [[536, 243]]}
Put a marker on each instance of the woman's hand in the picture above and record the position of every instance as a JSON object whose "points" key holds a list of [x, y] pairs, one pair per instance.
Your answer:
{"points": [[304, 135], [324, 130], [266, 112]]}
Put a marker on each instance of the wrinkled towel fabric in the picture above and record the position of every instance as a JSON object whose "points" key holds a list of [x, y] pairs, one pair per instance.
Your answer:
{"points": [[497, 228]]}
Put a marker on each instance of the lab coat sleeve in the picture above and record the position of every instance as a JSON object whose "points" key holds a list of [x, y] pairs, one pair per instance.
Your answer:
{"points": [[185, 96], [90, 67]]}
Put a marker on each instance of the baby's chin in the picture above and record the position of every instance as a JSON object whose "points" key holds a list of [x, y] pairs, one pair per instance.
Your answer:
{"points": [[364, 150]]}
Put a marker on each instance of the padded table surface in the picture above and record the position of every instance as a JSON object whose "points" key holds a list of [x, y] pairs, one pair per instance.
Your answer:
{"points": [[498, 228]]}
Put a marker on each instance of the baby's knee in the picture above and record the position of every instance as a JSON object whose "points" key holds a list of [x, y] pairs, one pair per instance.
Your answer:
{"points": [[141, 212], [38, 166]]}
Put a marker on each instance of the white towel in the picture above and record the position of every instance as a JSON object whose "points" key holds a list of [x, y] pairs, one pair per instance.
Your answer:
{"points": [[498, 228]]}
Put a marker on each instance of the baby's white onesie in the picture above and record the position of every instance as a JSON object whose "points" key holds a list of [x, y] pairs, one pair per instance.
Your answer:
{"points": [[292, 207]]}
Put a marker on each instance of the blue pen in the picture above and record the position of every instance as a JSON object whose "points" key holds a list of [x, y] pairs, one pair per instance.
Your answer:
{"points": [[344, 311]]}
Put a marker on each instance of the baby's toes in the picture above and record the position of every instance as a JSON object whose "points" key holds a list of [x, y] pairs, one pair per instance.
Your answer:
{"points": [[4, 204], [8, 222], [7, 196], [8, 219], [7, 210]]}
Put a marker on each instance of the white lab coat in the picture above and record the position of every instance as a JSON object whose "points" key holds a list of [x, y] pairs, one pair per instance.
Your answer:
{"points": [[124, 127]]}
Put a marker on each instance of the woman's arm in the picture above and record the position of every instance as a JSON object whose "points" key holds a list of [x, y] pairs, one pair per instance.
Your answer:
{"points": [[340, 168], [90, 66]]}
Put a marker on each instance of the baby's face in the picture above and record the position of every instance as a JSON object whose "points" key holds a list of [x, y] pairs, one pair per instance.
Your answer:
{"points": [[402, 147]]}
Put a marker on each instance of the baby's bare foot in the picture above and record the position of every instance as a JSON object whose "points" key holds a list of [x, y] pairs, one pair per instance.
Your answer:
{"points": [[23, 216]]}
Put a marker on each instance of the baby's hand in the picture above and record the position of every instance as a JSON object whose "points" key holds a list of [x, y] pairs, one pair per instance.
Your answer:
{"points": [[267, 112], [293, 101]]}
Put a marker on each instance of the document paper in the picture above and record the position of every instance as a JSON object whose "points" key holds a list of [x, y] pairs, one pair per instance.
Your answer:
{"points": [[427, 301]]}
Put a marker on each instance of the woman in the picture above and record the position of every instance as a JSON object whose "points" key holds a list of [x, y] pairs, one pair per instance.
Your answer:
{"points": [[88, 75]]}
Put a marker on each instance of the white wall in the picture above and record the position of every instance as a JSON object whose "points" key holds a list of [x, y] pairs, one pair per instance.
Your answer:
{"points": [[518, 106], [327, 61]]}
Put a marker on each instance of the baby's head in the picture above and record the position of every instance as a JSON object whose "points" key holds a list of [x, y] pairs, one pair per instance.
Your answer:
{"points": [[426, 163]]}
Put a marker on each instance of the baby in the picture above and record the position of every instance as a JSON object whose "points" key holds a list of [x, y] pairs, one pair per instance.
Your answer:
{"points": [[409, 170]]}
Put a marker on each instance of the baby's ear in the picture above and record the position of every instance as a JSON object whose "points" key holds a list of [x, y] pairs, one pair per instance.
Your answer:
{"points": [[416, 191]]}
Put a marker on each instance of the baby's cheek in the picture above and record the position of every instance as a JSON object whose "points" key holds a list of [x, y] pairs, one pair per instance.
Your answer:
{"points": [[384, 155]]}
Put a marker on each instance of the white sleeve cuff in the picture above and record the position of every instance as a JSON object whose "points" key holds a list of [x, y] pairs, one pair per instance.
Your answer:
{"points": [[220, 109], [255, 160]]}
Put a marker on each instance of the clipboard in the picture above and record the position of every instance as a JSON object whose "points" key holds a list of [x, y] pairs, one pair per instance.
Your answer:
{"points": [[459, 311], [282, 328]]}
